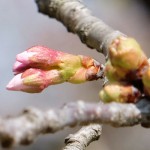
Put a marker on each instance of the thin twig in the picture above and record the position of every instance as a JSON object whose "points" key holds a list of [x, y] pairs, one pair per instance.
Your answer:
{"points": [[81, 139], [24, 128], [78, 19]]}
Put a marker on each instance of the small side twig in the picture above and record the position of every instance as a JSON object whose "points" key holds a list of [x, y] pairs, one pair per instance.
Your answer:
{"points": [[81, 139]]}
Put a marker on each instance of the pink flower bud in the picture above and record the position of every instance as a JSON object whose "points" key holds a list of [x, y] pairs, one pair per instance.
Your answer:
{"points": [[37, 57], [34, 80], [39, 67]]}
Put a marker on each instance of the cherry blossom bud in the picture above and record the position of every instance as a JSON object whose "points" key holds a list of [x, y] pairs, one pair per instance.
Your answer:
{"points": [[119, 93], [39, 67], [126, 53], [114, 73], [37, 57], [34, 80]]}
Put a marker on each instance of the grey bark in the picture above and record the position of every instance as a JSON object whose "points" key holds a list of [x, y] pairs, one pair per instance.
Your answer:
{"points": [[78, 19], [24, 128], [81, 139]]}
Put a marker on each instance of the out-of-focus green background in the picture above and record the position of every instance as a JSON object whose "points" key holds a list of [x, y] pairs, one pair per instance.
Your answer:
{"points": [[22, 27]]}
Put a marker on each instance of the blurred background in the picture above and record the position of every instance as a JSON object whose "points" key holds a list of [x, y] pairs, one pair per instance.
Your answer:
{"points": [[22, 27]]}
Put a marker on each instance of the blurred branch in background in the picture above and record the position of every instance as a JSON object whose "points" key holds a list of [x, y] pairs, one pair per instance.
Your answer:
{"points": [[24, 128]]}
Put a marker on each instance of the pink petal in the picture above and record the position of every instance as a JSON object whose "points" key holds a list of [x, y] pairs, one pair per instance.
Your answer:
{"points": [[19, 67], [24, 57], [16, 84]]}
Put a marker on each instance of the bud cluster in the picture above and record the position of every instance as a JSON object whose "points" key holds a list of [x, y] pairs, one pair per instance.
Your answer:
{"points": [[38, 67], [127, 64]]}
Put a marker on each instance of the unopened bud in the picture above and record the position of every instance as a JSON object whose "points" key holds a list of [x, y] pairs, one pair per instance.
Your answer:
{"points": [[119, 93], [114, 73], [34, 80], [39, 67], [37, 57], [126, 53]]}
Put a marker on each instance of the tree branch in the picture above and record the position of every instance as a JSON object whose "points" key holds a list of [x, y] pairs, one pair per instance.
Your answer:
{"points": [[24, 128], [81, 139], [78, 19]]}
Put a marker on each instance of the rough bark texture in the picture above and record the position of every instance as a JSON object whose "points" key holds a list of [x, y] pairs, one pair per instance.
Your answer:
{"points": [[24, 128], [81, 139], [78, 19]]}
